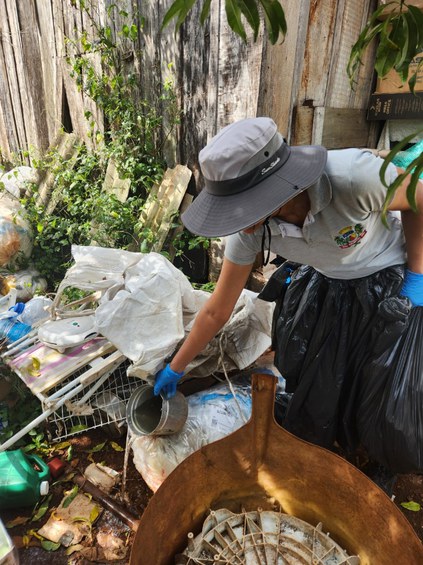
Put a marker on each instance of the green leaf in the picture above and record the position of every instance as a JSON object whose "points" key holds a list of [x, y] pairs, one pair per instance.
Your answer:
{"points": [[413, 506], [42, 509], [116, 446], [417, 15], [275, 19], [97, 447], [78, 428], [69, 454], [179, 9], [49, 545], [250, 11], [70, 496], [415, 177], [205, 11], [389, 46], [401, 38], [233, 14], [398, 147], [400, 178], [173, 11]]}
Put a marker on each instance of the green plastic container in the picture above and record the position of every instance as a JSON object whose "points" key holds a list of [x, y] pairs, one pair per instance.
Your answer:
{"points": [[23, 479]]}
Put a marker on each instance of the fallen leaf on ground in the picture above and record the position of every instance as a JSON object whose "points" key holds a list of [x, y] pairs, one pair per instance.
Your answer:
{"points": [[70, 525], [413, 506], [18, 521]]}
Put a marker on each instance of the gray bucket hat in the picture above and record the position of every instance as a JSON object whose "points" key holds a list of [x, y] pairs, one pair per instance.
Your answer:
{"points": [[249, 172]]}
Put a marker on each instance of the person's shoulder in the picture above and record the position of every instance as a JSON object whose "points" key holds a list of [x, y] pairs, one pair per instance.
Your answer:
{"points": [[354, 166], [342, 159]]}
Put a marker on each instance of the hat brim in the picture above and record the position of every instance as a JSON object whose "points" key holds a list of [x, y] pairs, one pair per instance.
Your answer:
{"points": [[217, 216]]}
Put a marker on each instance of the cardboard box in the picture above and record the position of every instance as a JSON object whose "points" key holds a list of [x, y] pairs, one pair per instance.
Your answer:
{"points": [[395, 106], [391, 83], [395, 8]]}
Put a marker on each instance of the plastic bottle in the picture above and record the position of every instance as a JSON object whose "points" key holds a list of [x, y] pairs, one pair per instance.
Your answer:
{"points": [[35, 310], [23, 479], [11, 329]]}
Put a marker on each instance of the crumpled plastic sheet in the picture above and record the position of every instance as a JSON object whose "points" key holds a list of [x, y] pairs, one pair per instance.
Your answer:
{"points": [[15, 232], [153, 311], [212, 414]]}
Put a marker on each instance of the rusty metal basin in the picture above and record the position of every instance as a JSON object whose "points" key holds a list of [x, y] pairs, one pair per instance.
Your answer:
{"points": [[263, 466]]}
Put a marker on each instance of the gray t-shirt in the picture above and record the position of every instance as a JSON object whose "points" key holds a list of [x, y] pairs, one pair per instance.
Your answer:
{"points": [[343, 235]]}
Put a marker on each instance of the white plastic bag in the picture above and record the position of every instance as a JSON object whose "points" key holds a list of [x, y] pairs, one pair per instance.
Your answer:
{"points": [[27, 283], [145, 319], [212, 414], [15, 232], [156, 309], [148, 307], [16, 180]]}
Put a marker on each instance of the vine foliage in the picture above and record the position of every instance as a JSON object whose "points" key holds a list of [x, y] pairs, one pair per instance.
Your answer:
{"points": [[398, 27]]}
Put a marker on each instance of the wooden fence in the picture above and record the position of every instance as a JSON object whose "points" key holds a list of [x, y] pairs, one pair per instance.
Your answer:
{"points": [[301, 83]]}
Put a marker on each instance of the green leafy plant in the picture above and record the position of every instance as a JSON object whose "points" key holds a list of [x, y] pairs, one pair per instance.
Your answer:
{"points": [[133, 136], [237, 11], [25, 407], [400, 36], [415, 168]]}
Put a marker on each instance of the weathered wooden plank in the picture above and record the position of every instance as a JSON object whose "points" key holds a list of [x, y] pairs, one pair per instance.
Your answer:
{"points": [[13, 68], [302, 130], [74, 25], [281, 68], [336, 128], [318, 51], [164, 200], [365, 77], [5, 152], [171, 50], [198, 84], [32, 77], [64, 144], [351, 17], [239, 66], [113, 184], [171, 201], [9, 133], [50, 70]]}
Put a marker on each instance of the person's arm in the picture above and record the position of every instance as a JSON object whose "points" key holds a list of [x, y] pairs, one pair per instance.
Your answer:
{"points": [[214, 314], [412, 224], [210, 319]]}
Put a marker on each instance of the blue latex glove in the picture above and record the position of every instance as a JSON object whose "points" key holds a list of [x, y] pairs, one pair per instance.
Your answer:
{"points": [[166, 381], [413, 287]]}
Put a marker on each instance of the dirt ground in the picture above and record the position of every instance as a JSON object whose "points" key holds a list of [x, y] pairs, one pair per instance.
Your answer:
{"points": [[134, 500]]}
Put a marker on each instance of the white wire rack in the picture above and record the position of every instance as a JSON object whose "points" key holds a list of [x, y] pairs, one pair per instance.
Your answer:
{"points": [[102, 404], [83, 388]]}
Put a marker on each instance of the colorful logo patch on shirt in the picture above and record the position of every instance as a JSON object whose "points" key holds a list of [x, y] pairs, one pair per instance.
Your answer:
{"points": [[350, 236]]}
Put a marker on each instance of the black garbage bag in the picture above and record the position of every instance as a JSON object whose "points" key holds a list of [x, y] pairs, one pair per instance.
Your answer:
{"points": [[321, 340], [390, 403]]}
